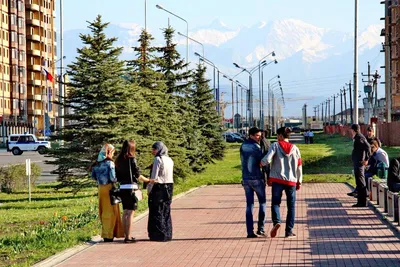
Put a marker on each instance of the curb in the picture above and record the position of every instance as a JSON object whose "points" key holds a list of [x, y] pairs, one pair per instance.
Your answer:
{"points": [[389, 221], [68, 253]]}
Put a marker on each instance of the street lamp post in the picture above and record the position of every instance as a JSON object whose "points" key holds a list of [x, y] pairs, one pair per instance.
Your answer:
{"points": [[261, 93], [233, 101], [262, 82], [202, 46], [270, 103], [250, 92], [260, 69], [187, 33], [242, 86], [218, 72]]}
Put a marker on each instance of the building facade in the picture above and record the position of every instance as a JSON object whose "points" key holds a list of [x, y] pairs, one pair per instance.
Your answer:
{"points": [[27, 60]]}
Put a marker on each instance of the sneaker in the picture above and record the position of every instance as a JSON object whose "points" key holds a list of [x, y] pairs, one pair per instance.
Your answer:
{"points": [[261, 232], [290, 235], [275, 229], [130, 240], [252, 235]]}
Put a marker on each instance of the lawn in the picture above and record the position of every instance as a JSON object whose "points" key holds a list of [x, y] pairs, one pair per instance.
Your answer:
{"points": [[56, 220]]}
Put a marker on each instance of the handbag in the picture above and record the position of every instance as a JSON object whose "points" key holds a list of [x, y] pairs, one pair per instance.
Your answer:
{"points": [[137, 192], [115, 197]]}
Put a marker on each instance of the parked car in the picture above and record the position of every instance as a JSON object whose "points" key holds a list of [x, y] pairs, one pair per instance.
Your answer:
{"points": [[18, 143], [232, 137], [296, 130]]}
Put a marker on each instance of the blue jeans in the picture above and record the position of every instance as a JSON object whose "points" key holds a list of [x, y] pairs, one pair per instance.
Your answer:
{"points": [[258, 187], [290, 191], [396, 187]]}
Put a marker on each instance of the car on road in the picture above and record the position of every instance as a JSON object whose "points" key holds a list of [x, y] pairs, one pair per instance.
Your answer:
{"points": [[18, 143]]}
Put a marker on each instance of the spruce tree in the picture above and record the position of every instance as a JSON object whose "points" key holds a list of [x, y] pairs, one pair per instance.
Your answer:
{"points": [[208, 120], [99, 104], [178, 82], [160, 120]]}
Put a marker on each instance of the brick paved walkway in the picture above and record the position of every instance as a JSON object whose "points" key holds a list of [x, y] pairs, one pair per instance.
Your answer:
{"points": [[209, 230]]}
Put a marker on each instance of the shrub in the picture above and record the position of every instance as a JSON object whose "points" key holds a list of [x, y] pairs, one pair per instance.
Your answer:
{"points": [[13, 177]]}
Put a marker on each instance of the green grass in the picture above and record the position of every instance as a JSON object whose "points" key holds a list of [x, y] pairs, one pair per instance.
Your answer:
{"points": [[30, 232]]}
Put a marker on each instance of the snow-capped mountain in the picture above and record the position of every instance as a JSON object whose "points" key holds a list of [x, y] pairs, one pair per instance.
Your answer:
{"points": [[305, 53]]}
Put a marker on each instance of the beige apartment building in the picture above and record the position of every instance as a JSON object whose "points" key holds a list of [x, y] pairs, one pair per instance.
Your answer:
{"points": [[28, 50]]}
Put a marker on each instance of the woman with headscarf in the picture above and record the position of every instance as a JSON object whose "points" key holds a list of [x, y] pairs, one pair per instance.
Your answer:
{"points": [[160, 190], [103, 171]]}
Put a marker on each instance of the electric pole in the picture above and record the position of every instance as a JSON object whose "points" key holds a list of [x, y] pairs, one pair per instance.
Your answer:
{"points": [[341, 106], [329, 111], [345, 105], [351, 104], [322, 112], [315, 113], [334, 109]]}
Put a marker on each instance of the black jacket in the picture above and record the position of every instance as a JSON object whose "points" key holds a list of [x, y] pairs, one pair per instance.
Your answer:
{"points": [[123, 173], [394, 173], [361, 149]]}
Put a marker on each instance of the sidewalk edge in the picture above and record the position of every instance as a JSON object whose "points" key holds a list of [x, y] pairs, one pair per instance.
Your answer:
{"points": [[69, 252]]}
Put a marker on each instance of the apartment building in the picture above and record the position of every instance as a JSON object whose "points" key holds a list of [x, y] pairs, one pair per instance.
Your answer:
{"points": [[27, 60]]}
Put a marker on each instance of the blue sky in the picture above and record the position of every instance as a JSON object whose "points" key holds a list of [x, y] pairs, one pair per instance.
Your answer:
{"points": [[334, 14]]}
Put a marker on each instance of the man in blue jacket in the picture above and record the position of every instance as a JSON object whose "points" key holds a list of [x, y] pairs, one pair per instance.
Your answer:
{"points": [[253, 180]]}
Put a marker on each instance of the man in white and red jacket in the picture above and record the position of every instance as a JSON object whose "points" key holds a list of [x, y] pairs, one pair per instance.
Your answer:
{"points": [[286, 175]]}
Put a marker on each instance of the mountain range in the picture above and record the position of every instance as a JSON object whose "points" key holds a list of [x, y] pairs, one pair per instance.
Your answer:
{"points": [[314, 63]]}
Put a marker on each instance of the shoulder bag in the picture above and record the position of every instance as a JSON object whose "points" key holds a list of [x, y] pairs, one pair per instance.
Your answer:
{"points": [[137, 192]]}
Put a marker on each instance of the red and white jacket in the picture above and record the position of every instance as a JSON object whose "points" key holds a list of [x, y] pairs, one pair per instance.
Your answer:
{"points": [[285, 161]]}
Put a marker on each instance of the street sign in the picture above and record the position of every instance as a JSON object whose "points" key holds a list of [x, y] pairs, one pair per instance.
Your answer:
{"points": [[28, 173]]}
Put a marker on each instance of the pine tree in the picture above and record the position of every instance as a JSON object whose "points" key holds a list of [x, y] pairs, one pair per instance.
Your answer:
{"points": [[178, 82], [208, 120], [161, 120], [99, 100]]}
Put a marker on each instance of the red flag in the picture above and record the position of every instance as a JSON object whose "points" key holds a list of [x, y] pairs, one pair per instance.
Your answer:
{"points": [[48, 75]]}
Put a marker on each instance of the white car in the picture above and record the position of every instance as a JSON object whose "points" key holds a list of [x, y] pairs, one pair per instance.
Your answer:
{"points": [[18, 143]]}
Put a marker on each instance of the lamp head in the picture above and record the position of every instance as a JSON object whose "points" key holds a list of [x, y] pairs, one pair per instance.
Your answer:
{"points": [[159, 7], [236, 65], [195, 53], [279, 77], [273, 53], [263, 62], [276, 61]]}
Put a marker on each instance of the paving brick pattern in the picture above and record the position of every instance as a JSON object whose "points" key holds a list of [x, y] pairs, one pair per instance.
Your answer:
{"points": [[209, 230]]}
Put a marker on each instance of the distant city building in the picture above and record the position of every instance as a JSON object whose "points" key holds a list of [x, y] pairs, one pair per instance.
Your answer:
{"points": [[27, 57]]}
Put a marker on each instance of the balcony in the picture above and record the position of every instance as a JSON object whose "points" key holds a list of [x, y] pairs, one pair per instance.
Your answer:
{"points": [[34, 52], [35, 82], [36, 97], [35, 67], [35, 112], [34, 22], [34, 7], [33, 37]]}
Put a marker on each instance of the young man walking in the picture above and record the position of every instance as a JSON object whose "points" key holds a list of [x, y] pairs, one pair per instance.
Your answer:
{"points": [[253, 180], [286, 175]]}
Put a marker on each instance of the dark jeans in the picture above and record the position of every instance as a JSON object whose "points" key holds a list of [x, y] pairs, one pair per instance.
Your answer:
{"points": [[395, 187], [361, 185], [258, 187], [290, 191]]}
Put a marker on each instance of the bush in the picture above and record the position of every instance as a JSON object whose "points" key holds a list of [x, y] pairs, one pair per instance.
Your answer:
{"points": [[13, 177]]}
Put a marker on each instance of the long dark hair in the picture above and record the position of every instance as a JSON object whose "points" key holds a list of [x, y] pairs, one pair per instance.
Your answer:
{"points": [[128, 150]]}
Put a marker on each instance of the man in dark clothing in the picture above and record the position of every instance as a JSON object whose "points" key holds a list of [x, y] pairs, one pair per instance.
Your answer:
{"points": [[265, 145], [360, 156], [253, 181], [393, 180]]}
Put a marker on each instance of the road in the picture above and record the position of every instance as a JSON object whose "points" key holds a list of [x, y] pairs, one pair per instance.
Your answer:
{"points": [[7, 158]]}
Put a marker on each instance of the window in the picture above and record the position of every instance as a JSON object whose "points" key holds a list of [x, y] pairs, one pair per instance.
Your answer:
{"points": [[14, 37], [21, 55], [21, 39], [14, 53], [13, 19], [21, 23], [22, 72], [20, 6]]}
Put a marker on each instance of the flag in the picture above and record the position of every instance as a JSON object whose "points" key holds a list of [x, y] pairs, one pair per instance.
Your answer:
{"points": [[48, 75]]}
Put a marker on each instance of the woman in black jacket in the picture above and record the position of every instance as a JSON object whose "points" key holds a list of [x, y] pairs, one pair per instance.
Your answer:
{"points": [[127, 175]]}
